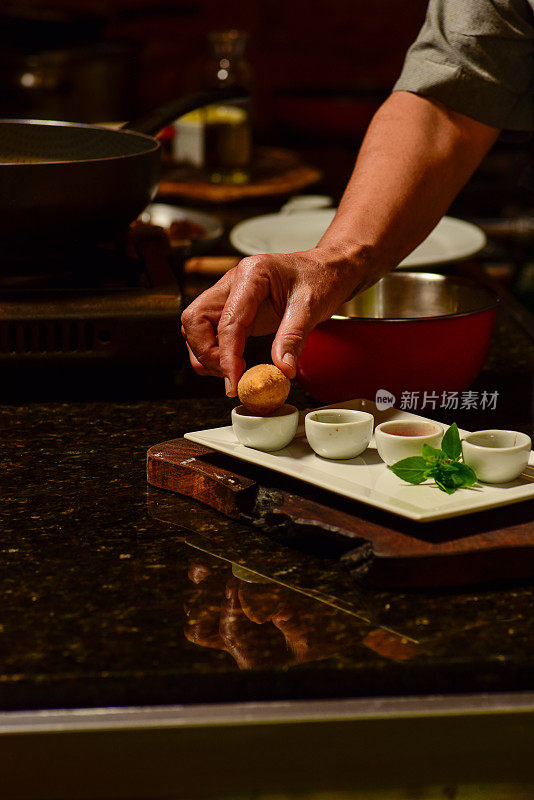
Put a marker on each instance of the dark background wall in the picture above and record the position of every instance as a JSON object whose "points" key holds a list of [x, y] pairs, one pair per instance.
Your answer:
{"points": [[330, 46], [320, 69]]}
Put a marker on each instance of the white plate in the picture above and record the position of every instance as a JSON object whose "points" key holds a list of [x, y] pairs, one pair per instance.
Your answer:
{"points": [[451, 240], [367, 478]]}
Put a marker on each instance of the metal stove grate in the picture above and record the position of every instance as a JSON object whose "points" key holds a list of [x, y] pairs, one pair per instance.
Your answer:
{"points": [[122, 316], [52, 336]]}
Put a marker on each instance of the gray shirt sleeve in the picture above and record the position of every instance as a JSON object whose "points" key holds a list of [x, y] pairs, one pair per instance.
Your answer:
{"points": [[477, 57]]}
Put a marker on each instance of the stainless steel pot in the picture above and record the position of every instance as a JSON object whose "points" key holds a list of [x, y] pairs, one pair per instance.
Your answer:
{"points": [[410, 332]]}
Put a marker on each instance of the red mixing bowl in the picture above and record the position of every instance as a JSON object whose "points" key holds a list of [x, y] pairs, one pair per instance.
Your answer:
{"points": [[411, 331]]}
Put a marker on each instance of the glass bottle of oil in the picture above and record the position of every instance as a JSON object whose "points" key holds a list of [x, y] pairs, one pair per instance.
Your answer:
{"points": [[228, 129]]}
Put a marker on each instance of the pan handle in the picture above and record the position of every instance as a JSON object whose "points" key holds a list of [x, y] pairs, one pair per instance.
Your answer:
{"points": [[156, 120]]}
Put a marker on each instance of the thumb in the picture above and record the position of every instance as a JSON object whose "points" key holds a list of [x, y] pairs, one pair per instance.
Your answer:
{"points": [[295, 326]]}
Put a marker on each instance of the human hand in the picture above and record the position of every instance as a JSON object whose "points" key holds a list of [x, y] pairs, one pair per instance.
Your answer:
{"points": [[217, 619], [264, 294], [261, 624]]}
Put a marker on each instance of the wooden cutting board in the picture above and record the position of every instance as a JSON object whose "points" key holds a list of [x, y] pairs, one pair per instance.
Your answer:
{"points": [[375, 546]]}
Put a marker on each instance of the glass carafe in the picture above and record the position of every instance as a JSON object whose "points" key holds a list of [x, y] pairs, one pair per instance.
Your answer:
{"points": [[228, 130]]}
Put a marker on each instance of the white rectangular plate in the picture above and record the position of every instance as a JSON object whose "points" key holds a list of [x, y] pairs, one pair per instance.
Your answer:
{"points": [[366, 478]]}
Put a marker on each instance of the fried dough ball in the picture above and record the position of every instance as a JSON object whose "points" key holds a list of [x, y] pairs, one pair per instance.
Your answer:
{"points": [[263, 389]]}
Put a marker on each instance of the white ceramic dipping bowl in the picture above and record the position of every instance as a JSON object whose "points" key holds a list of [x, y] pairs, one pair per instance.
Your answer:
{"points": [[338, 432], [403, 438], [268, 433], [497, 456]]}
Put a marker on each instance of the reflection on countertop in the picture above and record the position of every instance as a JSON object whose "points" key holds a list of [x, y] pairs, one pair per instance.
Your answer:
{"points": [[263, 624]]}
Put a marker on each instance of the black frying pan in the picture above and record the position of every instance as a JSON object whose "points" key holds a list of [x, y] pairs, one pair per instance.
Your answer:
{"points": [[64, 185]]}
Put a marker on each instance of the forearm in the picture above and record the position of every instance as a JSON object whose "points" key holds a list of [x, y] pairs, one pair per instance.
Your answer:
{"points": [[416, 156]]}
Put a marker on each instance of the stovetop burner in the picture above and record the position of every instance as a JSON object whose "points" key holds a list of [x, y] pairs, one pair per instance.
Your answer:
{"points": [[113, 304]]}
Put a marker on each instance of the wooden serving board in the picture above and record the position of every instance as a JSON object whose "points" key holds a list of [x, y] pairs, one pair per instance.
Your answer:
{"points": [[375, 546]]}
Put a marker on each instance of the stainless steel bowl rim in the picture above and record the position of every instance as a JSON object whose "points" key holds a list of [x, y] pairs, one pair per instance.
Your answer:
{"points": [[490, 299]]}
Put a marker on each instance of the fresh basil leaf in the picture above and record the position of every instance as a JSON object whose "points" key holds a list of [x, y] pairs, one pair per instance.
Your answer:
{"points": [[443, 466], [453, 476], [451, 444], [444, 488], [413, 469], [432, 453], [444, 476], [466, 473], [456, 480], [447, 468]]}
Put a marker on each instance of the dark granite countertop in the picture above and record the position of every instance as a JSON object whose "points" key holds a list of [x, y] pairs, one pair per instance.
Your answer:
{"points": [[115, 593]]}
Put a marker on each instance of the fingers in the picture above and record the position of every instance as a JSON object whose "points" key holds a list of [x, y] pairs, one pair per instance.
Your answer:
{"points": [[201, 338], [259, 602], [199, 327], [199, 368], [217, 323], [290, 292], [198, 572], [300, 317], [249, 289]]}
